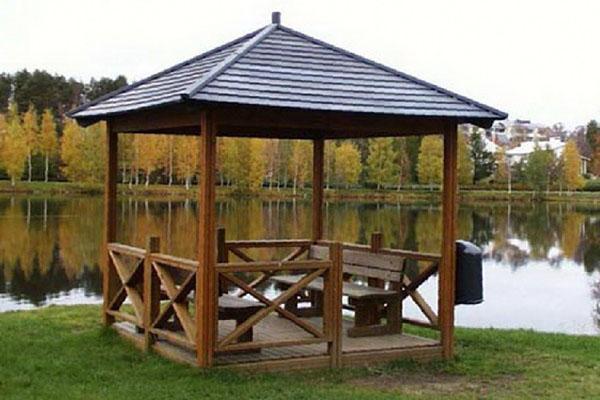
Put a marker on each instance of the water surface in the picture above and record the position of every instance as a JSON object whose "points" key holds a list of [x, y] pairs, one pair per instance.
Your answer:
{"points": [[541, 261]]}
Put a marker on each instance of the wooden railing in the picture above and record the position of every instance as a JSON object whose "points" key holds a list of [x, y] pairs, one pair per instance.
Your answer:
{"points": [[161, 288], [294, 262], [427, 265]]}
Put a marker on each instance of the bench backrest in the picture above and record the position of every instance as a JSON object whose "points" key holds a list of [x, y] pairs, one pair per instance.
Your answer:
{"points": [[364, 263]]}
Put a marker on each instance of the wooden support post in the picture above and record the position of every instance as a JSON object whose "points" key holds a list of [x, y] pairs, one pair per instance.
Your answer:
{"points": [[447, 268], [335, 347], [110, 279], [376, 245], [151, 291], [317, 188], [206, 291], [222, 257], [376, 241]]}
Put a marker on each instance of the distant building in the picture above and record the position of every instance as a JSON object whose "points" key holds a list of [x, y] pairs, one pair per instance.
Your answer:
{"points": [[523, 150]]}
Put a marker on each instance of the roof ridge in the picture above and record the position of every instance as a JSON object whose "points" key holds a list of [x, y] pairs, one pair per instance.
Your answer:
{"points": [[161, 73], [394, 71], [226, 63]]}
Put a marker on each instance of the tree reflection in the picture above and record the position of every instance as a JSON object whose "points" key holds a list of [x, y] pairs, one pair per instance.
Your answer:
{"points": [[53, 245]]}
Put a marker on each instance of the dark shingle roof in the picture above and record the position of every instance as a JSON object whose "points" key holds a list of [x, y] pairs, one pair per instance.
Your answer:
{"points": [[277, 66]]}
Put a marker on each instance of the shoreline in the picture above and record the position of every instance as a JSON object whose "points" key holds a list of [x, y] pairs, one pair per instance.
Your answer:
{"points": [[413, 195]]}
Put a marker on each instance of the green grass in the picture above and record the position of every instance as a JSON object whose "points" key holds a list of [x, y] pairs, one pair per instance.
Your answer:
{"points": [[64, 353]]}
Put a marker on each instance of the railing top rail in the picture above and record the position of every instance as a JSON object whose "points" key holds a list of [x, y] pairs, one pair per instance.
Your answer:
{"points": [[268, 243], [179, 262], [127, 250], [262, 266], [388, 251]]}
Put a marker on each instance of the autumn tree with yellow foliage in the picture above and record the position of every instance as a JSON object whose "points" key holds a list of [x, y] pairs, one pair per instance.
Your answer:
{"points": [[14, 150], [431, 161], [47, 143], [571, 171], [300, 163], [31, 132], [381, 162], [186, 158], [347, 164]]}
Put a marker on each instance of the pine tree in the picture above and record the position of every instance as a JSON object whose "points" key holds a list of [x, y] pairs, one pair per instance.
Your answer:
{"points": [[483, 160], [48, 140], [431, 161], [31, 132], [14, 150], [347, 164], [381, 162], [571, 161]]}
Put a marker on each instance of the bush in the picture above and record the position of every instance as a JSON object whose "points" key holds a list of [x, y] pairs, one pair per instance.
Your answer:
{"points": [[592, 185]]}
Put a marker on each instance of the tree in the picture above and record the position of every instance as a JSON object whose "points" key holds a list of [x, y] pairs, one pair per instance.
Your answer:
{"points": [[381, 161], [329, 162], [483, 160], [431, 161], [14, 150], [186, 158], [31, 132], [402, 162], [465, 163], [227, 158], [71, 146], [149, 154], [501, 172], [3, 133], [592, 134], [571, 161], [537, 168], [47, 141], [300, 163], [347, 164]]}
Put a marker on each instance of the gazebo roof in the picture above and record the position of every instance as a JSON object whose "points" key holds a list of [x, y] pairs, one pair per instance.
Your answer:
{"points": [[278, 67]]}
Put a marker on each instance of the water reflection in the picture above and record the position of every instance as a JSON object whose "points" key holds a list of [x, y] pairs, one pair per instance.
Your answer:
{"points": [[50, 247]]}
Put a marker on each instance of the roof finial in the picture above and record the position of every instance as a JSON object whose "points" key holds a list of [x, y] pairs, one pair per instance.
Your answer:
{"points": [[276, 17]]}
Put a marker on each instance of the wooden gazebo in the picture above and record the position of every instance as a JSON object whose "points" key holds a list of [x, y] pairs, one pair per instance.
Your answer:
{"points": [[279, 83]]}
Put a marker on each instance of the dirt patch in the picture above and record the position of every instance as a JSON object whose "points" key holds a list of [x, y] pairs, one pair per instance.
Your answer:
{"points": [[430, 383]]}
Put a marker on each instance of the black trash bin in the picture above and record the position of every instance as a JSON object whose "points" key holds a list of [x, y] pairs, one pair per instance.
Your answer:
{"points": [[469, 273]]}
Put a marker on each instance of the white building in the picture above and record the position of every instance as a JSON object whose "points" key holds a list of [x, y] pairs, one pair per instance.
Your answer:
{"points": [[523, 150]]}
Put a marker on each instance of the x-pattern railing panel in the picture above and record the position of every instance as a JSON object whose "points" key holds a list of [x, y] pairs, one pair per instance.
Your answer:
{"points": [[131, 281], [312, 269]]}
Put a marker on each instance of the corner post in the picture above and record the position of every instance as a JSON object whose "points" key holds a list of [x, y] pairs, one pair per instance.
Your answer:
{"points": [[317, 188], [448, 264], [110, 279], [206, 292], [151, 291], [336, 282]]}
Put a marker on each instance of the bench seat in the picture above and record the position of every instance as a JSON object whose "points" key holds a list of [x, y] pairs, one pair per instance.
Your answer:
{"points": [[350, 289]]}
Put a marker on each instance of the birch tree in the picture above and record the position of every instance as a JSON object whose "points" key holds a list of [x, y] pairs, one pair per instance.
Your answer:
{"points": [[48, 140]]}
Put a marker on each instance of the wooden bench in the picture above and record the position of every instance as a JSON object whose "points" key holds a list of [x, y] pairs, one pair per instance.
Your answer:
{"points": [[382, 298], [238, 309]]}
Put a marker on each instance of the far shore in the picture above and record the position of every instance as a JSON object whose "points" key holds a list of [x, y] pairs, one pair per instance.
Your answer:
{"points": [[408, 195]]}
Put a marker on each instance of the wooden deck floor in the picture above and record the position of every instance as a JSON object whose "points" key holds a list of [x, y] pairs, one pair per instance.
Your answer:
{"points": [[355, 350]]}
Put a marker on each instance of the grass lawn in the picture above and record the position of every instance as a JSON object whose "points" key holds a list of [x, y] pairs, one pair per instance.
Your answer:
{"points": [[64, 353]]}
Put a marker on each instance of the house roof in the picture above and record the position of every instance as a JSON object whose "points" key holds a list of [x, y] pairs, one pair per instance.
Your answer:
{"points": [[526, 148], [278, 67]]}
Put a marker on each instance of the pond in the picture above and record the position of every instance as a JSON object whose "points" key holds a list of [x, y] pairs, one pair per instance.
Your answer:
{"points": [[541, 261]]}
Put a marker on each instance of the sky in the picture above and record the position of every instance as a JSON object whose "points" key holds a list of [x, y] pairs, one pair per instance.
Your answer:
{"points": [[537, 60]]}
